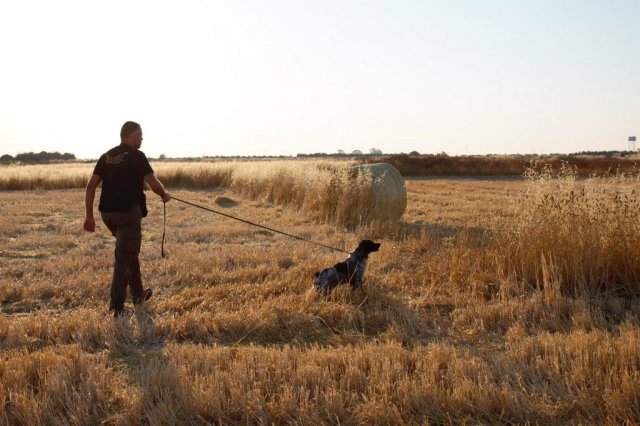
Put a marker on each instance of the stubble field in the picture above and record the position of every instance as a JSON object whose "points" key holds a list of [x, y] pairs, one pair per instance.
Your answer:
{"points": [[493, 301]]}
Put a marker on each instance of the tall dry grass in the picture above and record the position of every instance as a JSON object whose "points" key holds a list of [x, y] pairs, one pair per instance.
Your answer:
{"points": [[324, 191], [586, 232], [44, 176], [583, 234]]}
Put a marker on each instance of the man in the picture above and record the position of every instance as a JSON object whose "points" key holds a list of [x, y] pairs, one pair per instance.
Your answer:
{"points": [[123, 170]]}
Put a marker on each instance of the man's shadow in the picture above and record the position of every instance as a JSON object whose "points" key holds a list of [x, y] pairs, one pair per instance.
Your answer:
{"points": [[133, 335], [138, 349]]}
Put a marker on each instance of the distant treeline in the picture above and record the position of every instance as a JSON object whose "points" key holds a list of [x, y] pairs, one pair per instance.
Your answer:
{"points": [[505, 165], [415, 164], [37, 157]]}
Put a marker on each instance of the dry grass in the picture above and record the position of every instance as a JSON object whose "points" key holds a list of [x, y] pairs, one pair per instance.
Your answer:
{"points": [[325, 191], [587, 232], [457, 323], [46, 176]]}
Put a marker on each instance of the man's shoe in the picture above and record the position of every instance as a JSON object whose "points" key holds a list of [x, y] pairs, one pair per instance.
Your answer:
{"points": [[146, 295]]}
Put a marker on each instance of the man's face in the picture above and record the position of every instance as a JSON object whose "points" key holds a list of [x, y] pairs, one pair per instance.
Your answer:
{"points": [[136, 139]]}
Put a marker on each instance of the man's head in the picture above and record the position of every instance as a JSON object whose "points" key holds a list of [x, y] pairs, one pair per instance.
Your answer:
{"points": [[131, 134]]}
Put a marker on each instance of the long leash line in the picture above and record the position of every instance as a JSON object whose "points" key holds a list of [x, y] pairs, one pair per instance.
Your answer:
{"points": [[241, 220]]}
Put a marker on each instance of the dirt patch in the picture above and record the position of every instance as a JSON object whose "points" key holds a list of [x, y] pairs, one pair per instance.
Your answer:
{"points": [[25, 254], [226, 202]]}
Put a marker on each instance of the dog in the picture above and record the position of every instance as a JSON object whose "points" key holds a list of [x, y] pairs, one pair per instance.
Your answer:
{"points": [[351, 270]]}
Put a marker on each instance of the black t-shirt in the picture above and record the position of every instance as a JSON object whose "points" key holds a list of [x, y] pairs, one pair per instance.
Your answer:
{"points": [[122, 170]]}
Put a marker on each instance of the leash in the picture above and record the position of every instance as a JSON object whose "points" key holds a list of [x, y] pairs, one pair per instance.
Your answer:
{"points": [[241, 220], [164, 227]]}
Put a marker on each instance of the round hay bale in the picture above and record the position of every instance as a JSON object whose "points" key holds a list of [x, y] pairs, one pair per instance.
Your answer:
{"points": [[388, 189]]}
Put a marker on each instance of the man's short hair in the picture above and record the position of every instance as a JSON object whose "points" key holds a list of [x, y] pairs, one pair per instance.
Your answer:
{"points": [[128, 128]]}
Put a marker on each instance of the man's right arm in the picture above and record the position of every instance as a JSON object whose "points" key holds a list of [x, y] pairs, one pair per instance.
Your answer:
{"points": [[89, 197]]}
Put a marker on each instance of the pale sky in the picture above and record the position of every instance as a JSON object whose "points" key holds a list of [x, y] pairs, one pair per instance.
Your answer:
{"points": [[258, 77]]}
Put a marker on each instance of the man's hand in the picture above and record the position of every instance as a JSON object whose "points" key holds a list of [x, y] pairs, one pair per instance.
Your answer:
{"points": [[166, 197], [89, 224]]}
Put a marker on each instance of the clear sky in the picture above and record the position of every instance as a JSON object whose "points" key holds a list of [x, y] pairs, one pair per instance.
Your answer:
{"points": [[281, 77]]}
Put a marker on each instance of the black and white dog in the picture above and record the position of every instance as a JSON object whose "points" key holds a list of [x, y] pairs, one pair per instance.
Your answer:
{"points": [[350, 270]]}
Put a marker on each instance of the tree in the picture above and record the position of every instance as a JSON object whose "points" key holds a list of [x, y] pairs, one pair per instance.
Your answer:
{"points": [[375, 151], [43, 157], [356, 152]]}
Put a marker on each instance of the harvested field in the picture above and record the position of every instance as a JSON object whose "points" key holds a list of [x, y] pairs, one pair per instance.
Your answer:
{"points": [[493, 301]]}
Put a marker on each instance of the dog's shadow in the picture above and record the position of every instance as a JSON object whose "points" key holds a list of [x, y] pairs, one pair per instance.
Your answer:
{"points": [[371, 312]]}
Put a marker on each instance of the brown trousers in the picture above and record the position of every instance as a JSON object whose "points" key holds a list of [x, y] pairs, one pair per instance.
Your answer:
{"points": [[127, 228]]}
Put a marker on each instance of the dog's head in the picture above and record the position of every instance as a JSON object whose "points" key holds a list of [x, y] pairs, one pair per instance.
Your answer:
{"points": [[367, 246]]}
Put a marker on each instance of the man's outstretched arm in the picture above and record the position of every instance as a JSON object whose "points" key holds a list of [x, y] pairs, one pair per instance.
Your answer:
{"points": [[157, 187]]}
